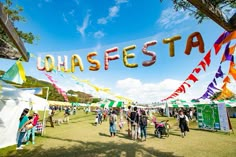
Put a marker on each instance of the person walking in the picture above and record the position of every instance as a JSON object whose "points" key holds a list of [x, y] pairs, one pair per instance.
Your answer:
{"points": [[134, 118], [112, 123], [143, 125], [183, 123], [21, 128], [128, 113]]}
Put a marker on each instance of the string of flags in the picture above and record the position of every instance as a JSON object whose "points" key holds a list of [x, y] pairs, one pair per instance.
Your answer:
{"points": [[224, 38]]}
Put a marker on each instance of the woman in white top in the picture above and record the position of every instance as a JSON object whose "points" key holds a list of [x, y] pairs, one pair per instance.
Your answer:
{"points": [[183, 123]]}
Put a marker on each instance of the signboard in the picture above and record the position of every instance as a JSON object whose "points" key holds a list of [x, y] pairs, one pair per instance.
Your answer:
{"points": [[224, 123], [208, 116], [212, 117]]}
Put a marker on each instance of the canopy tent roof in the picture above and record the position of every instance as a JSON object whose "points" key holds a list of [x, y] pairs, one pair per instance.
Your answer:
{"points": [[109, 104], [59, 103], [79, 104]]}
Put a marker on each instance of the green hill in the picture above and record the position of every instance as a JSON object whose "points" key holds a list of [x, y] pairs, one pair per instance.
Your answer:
{"points": [[73, 96]]}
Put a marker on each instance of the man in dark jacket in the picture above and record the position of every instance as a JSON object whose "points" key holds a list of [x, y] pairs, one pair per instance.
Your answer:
{"points": [[134, 118]]}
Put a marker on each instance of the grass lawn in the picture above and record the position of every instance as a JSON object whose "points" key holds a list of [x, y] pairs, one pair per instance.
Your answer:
{"points": [[81, 138]]}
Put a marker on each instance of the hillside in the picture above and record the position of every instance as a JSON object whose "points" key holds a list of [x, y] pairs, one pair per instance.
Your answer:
{"points": [[53, 94]]}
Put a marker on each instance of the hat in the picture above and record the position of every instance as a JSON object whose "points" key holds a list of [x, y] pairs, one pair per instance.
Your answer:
{"points": [[36, 112]]}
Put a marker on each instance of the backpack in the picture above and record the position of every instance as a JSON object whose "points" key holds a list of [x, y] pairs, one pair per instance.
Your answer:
{"points": [[143, 121]]}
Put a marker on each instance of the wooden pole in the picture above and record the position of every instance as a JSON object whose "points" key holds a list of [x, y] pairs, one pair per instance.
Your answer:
{"points": [[7, 26], [206, 7]]}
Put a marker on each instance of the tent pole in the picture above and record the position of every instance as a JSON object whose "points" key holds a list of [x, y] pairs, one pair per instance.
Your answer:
{"points": [[44, 114]]}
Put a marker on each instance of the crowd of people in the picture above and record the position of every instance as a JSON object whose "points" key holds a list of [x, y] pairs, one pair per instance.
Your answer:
{"points": [[136, 119]]}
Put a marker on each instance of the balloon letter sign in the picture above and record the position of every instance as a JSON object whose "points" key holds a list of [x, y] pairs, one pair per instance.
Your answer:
{"points": [[108, 58], [78, 63], [191, 43], [149, 53], [172, 45], [126, 56], [96, 62], [48, 63]]}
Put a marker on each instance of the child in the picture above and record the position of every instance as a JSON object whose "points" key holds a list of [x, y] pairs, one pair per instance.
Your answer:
{"points": [[121, 124], [96, 120]]}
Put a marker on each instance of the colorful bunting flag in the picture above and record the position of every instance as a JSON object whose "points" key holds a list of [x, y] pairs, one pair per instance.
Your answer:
{"points": [[232, 70], [192, 77], [15, 74]]}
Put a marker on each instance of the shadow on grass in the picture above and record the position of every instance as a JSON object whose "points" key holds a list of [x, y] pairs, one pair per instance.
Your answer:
{"points": [[92, 149], [102, 134]]}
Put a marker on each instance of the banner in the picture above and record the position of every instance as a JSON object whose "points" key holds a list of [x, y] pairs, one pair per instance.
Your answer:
{"points": [[224, 123], [15, 74], [213, 117], [208, 117]]}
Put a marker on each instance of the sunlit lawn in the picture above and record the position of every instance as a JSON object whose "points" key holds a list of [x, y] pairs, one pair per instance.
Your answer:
{"points": [[81, 138]]}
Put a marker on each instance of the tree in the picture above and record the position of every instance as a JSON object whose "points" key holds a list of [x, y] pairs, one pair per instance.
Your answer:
{"points": [[217, 10], [14, 16]]}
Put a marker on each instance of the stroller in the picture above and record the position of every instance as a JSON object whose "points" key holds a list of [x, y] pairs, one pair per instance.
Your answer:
{"points": [[162, 128]]}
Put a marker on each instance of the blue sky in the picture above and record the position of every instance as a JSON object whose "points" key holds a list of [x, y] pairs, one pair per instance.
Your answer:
{"points": [[79, 27]]}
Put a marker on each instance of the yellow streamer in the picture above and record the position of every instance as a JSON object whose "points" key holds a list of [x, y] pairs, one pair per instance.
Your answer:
{"points": [[21, 70]]}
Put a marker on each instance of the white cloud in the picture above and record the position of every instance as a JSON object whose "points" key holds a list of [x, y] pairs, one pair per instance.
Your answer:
{"points": [[170, 17], [76, 1], [98, 34], [147, 92], [82, 28], [64, 18], [113, 12], [121, 1], [102, 20], [154, 92]]}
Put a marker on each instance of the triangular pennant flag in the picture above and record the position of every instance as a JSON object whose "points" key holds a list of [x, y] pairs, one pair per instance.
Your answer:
{"points": [[214, 81], [232, 70], [15, 74], [207, 58], [219, 73], [226, 53], [226, 79], [203, 64], [218, 43], [192, 77], [187, 84], [210, 91], [224, 86], [197, 70], [211, 85], [229, 37], [232, 49]]}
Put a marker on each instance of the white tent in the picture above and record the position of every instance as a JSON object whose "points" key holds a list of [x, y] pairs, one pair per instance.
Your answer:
{"points": [[12, 103]]}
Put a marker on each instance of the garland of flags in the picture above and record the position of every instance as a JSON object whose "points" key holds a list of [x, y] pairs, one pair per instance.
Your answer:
{"points": [[227, 56], [59, 90], [223, 39]]}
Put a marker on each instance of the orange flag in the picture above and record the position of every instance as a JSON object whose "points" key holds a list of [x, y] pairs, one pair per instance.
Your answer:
{"points": [[224, 86], [230, 37], [232, 70], [226, 79]]}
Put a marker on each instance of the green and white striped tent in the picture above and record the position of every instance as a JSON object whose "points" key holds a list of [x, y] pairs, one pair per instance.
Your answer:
{"points": [[111, 103], [228, 103], [79, 104]]}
